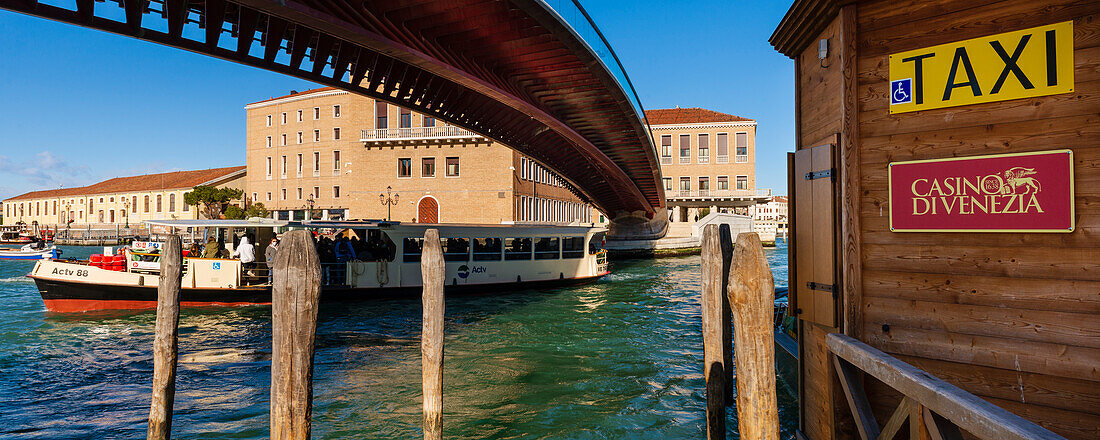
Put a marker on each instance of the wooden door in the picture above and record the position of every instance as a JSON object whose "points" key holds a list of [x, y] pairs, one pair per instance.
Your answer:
{"points": [[815, 287], [427, 211]]}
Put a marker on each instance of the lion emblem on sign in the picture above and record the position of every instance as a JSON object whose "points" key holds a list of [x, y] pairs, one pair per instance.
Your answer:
{"points": [[1016, 180]]}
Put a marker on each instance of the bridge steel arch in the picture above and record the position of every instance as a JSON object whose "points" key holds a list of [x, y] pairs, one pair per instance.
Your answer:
{"points": [[510, 70]]}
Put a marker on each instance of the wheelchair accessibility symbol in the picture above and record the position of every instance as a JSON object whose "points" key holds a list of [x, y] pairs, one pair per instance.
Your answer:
{"points": [[901, 91], [217, 266]]}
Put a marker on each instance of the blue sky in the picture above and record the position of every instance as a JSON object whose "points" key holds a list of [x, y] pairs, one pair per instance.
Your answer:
{"points": [[81, 106]]}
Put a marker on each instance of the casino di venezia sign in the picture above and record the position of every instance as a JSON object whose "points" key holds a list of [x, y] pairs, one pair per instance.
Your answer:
{"points": [[1022, 192], [1021, 64]]}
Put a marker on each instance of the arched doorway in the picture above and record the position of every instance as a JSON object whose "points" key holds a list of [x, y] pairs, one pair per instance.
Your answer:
{"points": [[427, 210]]}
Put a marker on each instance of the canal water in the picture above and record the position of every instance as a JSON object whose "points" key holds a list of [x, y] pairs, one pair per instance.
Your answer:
{"points": [[621, 358]]}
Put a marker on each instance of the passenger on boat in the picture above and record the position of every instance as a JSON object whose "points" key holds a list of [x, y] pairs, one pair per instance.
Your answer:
{"points": [[195, 251], [247, 253], [211, 250], [269, 257]]}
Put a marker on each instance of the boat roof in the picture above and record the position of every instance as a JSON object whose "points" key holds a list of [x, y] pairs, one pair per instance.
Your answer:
{"points": [[257, 222]]}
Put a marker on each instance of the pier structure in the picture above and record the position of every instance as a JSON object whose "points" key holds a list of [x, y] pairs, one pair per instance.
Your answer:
{"points": [[540, 80], [980, 316]]}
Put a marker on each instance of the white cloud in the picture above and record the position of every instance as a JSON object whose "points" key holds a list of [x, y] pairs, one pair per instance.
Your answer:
{"points": [[43, 171]]}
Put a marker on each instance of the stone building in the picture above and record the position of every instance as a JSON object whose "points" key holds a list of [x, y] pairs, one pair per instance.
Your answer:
{"points": [[330, 154], [119, 201]]}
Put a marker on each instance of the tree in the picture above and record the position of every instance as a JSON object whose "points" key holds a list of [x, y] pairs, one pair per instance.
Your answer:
{"points": [[211, 199], [256, 210], [234, 212]]}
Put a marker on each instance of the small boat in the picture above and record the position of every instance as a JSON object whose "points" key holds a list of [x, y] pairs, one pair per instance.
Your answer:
{"points": [[15, 235], [30, 252]]}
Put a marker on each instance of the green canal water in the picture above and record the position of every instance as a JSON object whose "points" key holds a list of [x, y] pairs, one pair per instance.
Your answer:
{"points": [[618, 359]]}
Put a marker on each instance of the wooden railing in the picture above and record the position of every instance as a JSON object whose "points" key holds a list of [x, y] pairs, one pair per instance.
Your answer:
{"points": [[414, 133], [943, 408]]}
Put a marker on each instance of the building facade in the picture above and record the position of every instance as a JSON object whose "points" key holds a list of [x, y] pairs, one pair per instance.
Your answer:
{"points": [[119, 201], [770, 219], [330, 154], [708, 162]]}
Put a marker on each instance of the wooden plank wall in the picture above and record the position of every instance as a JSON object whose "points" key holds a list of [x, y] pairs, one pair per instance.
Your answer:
{"points": [[820, 118], [1013, 318]]}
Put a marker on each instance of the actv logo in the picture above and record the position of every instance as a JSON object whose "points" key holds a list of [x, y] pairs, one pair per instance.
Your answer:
{"points": [[1013, 191]]}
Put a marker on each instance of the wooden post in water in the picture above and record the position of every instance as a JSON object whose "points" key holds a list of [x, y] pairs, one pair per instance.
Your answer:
{"points": [[431, 337], [726, 240], [713, 344], [166, 341], [294, 296], [752, 295]]}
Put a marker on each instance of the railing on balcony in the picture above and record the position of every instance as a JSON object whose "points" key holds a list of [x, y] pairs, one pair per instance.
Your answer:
{"points": [[748, 193], [666, 160], [416, 133], [742, 158], [723, 158], [704, 159]]}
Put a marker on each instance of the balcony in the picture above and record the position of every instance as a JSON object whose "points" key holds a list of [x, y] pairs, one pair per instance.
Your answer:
{"points": [[723, 158], [704, 158], [445, 132], [720, 193], [742, 158], [666, 160]]}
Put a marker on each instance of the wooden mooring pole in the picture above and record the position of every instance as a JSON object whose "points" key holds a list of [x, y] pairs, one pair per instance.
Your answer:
{"points": [[166, 340], [752, 295], [294, 296], [726, 240], [431, 338], [714, 370]]}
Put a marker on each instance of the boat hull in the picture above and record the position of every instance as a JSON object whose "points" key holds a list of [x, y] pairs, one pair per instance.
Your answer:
{"points": [[74, 296], [20, 255]]}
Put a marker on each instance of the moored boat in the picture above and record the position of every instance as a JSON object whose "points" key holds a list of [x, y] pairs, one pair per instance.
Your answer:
{"points": [[368, 259], [30, 252]]}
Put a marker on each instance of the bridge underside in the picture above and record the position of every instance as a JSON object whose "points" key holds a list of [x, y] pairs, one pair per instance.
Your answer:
{"points": [[509, 70]]}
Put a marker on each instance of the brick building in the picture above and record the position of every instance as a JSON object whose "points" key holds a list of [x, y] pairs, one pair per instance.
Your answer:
{"points": [[336, 155], [119, 201]]}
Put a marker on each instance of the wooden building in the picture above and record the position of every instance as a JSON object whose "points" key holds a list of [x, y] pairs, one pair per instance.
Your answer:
{"points": [[1012, 317]]}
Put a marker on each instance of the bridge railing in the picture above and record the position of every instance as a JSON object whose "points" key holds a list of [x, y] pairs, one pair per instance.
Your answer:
{"points": [[764, 192]]}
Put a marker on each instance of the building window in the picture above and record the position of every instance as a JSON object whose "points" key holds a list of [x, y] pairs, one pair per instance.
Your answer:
{"points": [[269, 196], [406, 120], [452, 167], [316, 192], [159, 204], [666, 149], [299, 193], [316, 135], [427, 167], [742, 144], [685, 148], [523, 168], [146, 203], [723, 183], [299, 164], [668, 183], [268, 120], [742, 182], [171, 203], [316, 113], [336, 192], [404, 167], [299, 116], [133, 205], [704, 186], [336, 161], [284, 193], [268, 167], [704, 149], [316, 163], [685, 186], [429, 121], [284, 118], [723, 148], [336, 134], [299, 137], [283, 170], [255, 197], [380, 113], [336, 111], [269, 142], [283, 142]]}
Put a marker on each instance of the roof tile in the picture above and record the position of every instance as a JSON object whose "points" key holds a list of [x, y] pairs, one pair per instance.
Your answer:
{"points": [[146, 182], [694, 115]]}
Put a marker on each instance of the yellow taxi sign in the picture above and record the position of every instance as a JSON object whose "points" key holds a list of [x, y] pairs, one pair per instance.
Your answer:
{"points": [[1012, 65]]}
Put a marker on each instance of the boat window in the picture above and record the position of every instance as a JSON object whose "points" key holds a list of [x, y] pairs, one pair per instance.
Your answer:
{"points": [[486, 249], [517, 248], [455, 249], [411, 249], [572, 247], [595, 245], [546, 248]]}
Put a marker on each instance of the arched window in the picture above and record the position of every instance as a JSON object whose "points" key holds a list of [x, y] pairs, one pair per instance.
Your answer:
{"points": [[171, 203], [159, 205], [146, 203]]}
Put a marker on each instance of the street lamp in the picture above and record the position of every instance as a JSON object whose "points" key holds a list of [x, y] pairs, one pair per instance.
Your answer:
{"points": [[388, 201], [126, 210], [310, 203]]}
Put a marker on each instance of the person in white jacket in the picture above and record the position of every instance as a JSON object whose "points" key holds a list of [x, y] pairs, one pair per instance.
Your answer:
{"points": [[247, 253]]}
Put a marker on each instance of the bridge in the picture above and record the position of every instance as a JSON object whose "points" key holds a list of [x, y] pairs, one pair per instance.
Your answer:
{"points": [[541, 80]]}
